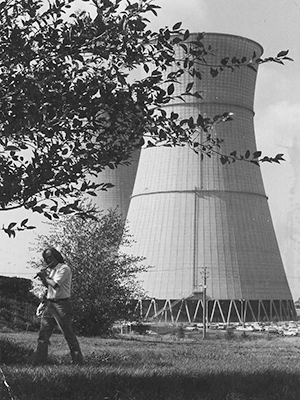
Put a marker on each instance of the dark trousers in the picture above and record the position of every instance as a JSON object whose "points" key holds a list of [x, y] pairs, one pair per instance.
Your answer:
{"points": [[59, 313]]}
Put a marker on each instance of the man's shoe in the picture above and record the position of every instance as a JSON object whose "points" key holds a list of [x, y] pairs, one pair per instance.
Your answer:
{"points": [[77, 358]]}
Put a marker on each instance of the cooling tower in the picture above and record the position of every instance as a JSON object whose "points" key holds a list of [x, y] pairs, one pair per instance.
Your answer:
{"points": [[122, 177], [199, 220]]}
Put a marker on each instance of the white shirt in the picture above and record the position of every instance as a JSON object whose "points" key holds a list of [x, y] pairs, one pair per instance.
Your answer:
{"points": [[62, 275]]}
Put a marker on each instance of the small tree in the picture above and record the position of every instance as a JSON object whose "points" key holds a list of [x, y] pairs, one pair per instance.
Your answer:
{"points": [[104, 280]]}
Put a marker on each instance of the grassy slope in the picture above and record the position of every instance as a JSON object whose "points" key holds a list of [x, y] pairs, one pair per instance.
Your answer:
{"points": [[214, 369]]}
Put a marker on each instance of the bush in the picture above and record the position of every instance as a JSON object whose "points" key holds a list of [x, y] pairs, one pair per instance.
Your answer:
{"points": [[18, 289], [180, 332], [17, 315], [14, 353], [104, 282], [229, 334]]}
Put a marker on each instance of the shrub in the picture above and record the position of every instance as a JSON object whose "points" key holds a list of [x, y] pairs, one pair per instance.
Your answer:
{"points": [[17, 315], [14, 353], [180, 332], [104, 282], [229, 334]]}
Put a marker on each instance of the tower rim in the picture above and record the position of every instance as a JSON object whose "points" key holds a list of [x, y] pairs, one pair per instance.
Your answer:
{"points": [[230, 35]]}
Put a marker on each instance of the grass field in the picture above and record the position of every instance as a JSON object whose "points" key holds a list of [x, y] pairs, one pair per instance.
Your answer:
{"points": [[145, 368]]}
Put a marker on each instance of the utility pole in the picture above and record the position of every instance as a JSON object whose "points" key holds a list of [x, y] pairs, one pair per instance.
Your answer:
{"points": [[204, 300], [204, 270], [243, 311]]}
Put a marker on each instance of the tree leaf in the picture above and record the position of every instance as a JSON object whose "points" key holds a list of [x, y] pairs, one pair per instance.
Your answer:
{"points": [[177, 26], [257, 154], [214, 72], [186, 35], [224, 159], [24, 222], [189, 86], [170, 89], [11, 225], [282, 53]]}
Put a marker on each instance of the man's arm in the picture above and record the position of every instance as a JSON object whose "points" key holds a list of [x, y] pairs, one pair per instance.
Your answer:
{"points": [[47, 281]]}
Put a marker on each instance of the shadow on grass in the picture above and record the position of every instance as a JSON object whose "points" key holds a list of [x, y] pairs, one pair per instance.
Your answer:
{"points": [[86, 383]]}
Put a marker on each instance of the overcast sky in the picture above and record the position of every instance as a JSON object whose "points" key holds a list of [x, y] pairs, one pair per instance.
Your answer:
{"points": [[275, 24]]}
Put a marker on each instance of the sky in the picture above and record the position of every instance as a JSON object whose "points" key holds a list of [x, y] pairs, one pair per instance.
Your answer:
{"points": [[275, 24]]}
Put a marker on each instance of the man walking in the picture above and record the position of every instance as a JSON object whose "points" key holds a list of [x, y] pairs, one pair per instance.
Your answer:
{"points": [[58, 308]]}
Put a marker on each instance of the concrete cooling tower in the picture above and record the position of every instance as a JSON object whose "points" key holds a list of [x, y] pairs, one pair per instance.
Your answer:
{"points": [[204, 226], [118, 197]]}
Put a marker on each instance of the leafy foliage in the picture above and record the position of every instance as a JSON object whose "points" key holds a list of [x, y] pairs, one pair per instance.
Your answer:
{"points": [[103, 278], [17, 304], [16, 288], [12, 352], [70, 106], [254, 158]]}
